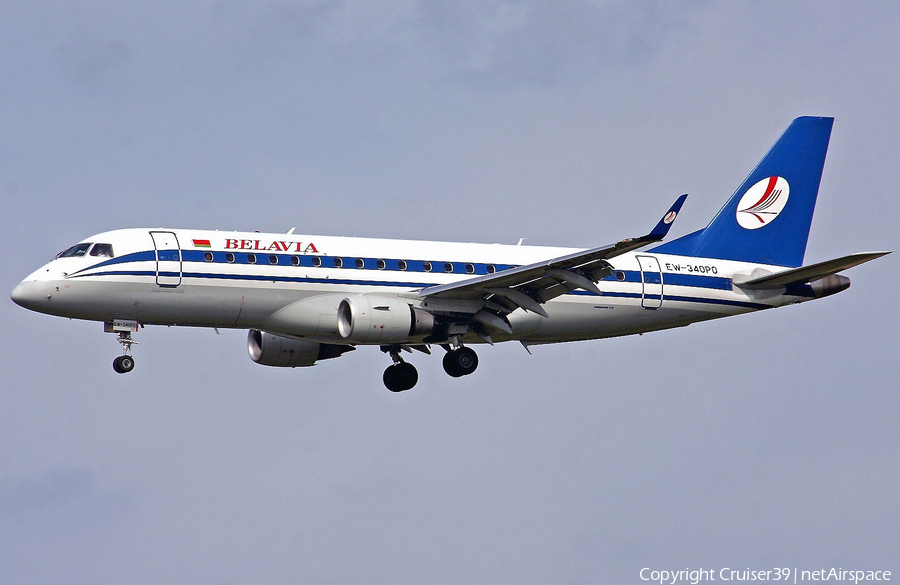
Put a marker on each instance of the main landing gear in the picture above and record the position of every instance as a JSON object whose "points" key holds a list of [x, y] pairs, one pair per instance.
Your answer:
{"points": [[401, 376], [461, 361]]}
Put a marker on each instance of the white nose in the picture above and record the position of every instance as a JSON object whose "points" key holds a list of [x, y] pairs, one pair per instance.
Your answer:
{"points": [[25, 294]]}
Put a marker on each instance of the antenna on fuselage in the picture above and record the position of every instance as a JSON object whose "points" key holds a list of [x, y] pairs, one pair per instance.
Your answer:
{"points": [[290, 231]]}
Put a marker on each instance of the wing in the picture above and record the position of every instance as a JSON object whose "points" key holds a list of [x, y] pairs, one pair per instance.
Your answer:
{"points": [[528, 287]]}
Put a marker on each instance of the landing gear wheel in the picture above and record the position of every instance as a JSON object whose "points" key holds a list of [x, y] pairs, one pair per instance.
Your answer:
{"points": [[449, 367], [460, 362], [400, 377], [123, 364]]}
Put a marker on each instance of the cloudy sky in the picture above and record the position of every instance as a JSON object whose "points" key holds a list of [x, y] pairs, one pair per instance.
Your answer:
{"points": [[761, 441]]}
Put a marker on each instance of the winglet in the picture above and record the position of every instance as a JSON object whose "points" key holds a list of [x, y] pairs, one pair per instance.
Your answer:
{"points": [[662, 228]]}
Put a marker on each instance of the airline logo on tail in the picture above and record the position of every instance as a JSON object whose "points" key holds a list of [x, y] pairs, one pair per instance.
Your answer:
{"points": [[762, 203]]}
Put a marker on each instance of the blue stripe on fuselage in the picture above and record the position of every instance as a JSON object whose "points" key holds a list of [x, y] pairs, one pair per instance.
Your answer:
{"points": [[259, 277], [263, 258], [670, 279], [391, 265], [675, 279]]}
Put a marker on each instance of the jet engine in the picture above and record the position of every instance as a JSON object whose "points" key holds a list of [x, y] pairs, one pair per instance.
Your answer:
{"points": [[274, 350], [830, 285], [374, 319]]}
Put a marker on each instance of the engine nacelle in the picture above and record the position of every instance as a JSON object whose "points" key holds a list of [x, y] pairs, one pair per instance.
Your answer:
{"points": [[830, 285], [373, 319], [274, 350]]}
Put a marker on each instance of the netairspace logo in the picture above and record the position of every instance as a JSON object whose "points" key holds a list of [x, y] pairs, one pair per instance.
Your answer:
{"points": [[784, 574]]}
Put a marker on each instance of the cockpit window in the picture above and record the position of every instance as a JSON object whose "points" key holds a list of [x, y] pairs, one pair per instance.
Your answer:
{"points": [[76, 251], [104, 250]]}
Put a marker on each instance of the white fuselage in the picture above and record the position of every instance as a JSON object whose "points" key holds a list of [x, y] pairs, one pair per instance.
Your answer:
{"points": [[241, 280]]}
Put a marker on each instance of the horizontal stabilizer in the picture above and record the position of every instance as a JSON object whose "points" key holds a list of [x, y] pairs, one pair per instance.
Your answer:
{"points": [[809, 273]]}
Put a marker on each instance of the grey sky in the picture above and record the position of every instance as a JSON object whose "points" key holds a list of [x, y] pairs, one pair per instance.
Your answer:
{"points": [[757, 441]]}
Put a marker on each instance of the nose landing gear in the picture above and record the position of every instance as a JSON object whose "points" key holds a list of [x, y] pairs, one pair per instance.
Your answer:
{"points": [[124, 363]]}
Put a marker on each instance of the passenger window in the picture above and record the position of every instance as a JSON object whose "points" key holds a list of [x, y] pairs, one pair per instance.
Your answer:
{"points": [[273, 259], [338, 262], [491, 269], [448, 267], [251, 258], [426, 266], [381, 264], [76, 251], [470, 268], [317, 261], [295, 260], [401, 264], [104, 250], [208, 256], [360, 263], [229, 257]]}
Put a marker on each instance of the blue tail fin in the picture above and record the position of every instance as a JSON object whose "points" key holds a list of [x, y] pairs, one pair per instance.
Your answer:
{"points": [[767, 219]]}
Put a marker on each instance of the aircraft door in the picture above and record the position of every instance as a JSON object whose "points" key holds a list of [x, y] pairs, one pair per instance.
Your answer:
{"points": [[651, 279], [168, 259]]}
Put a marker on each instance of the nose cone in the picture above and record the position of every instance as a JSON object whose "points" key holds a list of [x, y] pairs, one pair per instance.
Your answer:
{"points": [[25, 294]]}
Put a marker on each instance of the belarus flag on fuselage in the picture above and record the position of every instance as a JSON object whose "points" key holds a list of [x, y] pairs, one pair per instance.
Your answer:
{"points": [[202, 244]]}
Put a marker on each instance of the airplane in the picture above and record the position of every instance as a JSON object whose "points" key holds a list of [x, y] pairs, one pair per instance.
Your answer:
{"points": [[306, 299]]}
